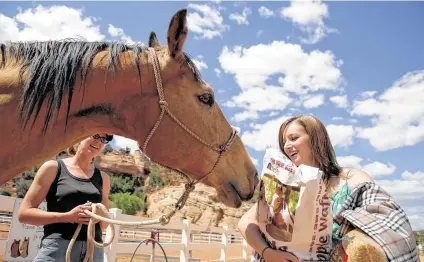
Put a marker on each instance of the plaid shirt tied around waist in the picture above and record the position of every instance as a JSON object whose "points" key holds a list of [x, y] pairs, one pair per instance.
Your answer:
{"points": [[371, 209]]}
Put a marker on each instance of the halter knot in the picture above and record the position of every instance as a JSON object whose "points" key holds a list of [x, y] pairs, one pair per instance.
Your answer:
{"points": [[163, 103], [223, 148], [190, 187]]}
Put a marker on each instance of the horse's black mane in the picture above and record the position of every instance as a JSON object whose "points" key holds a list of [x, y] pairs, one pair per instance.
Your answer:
{"points": [[52, 68]]}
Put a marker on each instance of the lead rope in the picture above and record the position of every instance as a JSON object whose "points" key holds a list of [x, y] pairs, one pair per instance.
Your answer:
{"points": [[189, 187]]}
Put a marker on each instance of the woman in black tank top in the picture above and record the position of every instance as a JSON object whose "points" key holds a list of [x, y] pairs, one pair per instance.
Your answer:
{"points": [[68, 186]]}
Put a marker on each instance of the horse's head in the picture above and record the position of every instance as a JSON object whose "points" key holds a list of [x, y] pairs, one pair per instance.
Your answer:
{"points": [[112, 88], [192, 101]]}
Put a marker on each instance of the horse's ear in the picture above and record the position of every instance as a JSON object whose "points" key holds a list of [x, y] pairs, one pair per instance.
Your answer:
{"points": [[153, 40], [177, 32]]}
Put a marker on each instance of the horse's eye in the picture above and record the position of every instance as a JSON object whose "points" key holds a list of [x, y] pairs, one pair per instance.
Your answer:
{"points": [[206, 99]]}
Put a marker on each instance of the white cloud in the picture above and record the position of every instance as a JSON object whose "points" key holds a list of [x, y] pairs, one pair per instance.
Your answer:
{"points": [[119, 33], [265, 12], [263, 135], [340, 101], [415, 216], [123, 142], [341, 135], [397, 115], [313, 101], [404, 189], [337, 118], [52, 23], [349, 161], [259, 33], [302, 72], [413, 176], [261, 99], [199, 63], [298, 72], [217, 72], [379, 169], [273, 113], [374, 169], [241, 19], [409, 193], [309, 17], [205, 21], [245, 115], [368, 94]]}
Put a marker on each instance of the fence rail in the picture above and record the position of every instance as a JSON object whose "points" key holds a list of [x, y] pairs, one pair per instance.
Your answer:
{"points": [[178, 236]]}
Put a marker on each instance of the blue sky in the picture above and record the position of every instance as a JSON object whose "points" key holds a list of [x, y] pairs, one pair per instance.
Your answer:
{"points": [[358, 66]]}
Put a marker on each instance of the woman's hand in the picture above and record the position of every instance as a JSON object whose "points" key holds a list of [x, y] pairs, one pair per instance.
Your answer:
{"points": [[273, 255], [77, 215]]}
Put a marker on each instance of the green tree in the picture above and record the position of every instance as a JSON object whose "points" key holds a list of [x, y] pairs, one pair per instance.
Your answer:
{"points": [[155, 180], [128, 203], [107, 149], [420, 237]]}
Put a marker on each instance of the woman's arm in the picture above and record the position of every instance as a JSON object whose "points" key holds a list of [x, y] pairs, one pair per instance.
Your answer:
{"points": [[356, 177], [249, 228], [105, 196], [29, 213]]}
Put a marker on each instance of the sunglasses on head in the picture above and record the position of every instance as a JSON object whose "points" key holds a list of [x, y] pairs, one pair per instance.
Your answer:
{"points": [[104, 139]]}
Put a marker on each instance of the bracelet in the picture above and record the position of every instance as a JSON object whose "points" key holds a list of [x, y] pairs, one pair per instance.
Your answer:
{"points": [[263, 250]]}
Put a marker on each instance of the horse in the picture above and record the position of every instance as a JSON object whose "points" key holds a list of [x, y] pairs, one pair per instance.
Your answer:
{"points": [[53, 94], [14, 248], [23, 248]]}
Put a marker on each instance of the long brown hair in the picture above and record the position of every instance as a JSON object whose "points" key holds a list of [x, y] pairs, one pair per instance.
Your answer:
{"points": [[322, 149]]}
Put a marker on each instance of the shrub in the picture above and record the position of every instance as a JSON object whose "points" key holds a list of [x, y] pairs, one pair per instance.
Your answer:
{"points": [[22, 187], [107, 149], [129, 204], [124, 183], [155, 181], [5, 192]]}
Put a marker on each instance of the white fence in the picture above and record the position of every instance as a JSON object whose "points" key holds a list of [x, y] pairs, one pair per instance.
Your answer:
{"points": [[179, 237]]}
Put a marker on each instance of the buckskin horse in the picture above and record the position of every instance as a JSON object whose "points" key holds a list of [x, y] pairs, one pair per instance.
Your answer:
{"points": [[54, 94]]}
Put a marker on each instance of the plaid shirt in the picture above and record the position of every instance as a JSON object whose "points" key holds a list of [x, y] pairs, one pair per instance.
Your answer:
{"points": [[371, 209]]}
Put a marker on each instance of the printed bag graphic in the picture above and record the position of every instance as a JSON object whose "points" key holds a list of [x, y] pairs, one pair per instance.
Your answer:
{"points": [[294, 211]]}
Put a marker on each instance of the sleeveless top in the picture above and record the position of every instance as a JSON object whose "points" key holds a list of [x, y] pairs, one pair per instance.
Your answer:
{"points": [[66, 192], [337, 200]]}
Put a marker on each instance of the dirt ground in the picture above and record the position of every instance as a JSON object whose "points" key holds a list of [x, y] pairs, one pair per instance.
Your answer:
{"points": [[203, 255], [127, 259], [211, 254]]}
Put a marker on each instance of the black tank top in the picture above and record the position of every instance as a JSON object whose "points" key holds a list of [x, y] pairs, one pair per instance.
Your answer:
{"points": [[66, 192]]}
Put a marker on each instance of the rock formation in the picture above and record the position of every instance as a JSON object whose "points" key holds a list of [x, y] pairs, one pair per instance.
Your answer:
{"points": [[202, 207]]}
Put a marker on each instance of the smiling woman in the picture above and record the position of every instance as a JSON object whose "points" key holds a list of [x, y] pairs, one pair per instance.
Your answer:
{"points": [[68, 185], [368, 224]]}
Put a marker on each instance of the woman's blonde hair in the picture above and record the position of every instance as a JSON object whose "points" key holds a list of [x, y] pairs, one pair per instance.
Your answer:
{"points": [[322, 149], [72, 151]]}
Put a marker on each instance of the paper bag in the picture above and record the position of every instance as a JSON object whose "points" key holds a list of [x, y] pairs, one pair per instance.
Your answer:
{"points": [[294, 211]]}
